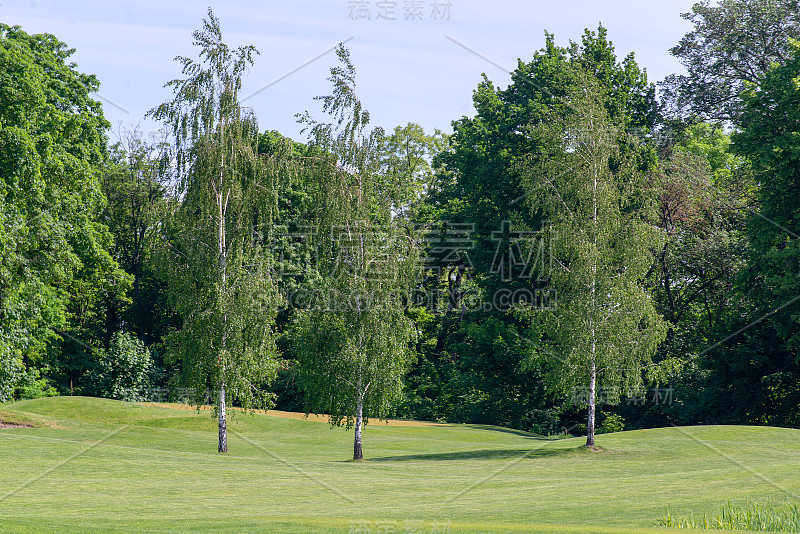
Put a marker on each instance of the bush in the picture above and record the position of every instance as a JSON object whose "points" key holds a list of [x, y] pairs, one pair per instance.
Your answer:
{"points": [[612, 423], [544, 422], [11, 371], [124, 371], [289, 398], [32, 386]]}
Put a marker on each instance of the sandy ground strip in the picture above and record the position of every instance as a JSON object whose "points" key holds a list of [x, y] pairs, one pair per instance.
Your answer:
{"points": [[317, 418]]}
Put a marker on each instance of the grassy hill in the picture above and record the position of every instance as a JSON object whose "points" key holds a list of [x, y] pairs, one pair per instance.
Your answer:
{"points": [[95, 465]]}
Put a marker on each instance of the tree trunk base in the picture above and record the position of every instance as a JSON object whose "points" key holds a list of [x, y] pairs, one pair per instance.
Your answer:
{"points": [[223, 422]]}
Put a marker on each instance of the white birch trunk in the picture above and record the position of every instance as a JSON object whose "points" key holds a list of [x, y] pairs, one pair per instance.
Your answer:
{"points": [[223, 272], [592, 315], [592, 397], [223, 422], [357, 452]]}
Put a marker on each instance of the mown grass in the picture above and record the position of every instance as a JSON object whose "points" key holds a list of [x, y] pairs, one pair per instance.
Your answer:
{"points": [[106, 466]]}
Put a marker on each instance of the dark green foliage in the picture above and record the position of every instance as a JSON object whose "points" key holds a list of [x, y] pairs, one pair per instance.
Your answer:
{"points": [[56, 274], [479, 377], [479, 178], [611, 423], [125, 370], [759, 368], [134, 182], [235, 275], [703, 194], [479, 182], [33, 386]]}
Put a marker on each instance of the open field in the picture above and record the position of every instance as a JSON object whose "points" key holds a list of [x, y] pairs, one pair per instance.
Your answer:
{"points": [[95, 465]]}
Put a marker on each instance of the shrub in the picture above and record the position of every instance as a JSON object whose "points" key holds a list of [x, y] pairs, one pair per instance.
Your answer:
{"points": [[612, 423], [124, 371], [11, 371], [32, 386]]}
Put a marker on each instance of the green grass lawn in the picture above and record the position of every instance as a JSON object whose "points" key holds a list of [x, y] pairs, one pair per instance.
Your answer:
{"points": [[96, 465]]}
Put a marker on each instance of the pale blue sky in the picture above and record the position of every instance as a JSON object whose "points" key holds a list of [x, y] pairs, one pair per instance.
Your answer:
{"points": [[407, 70]]}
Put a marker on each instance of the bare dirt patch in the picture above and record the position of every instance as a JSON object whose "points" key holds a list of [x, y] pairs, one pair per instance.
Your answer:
{"points": [[4, 424], [10, 419]]}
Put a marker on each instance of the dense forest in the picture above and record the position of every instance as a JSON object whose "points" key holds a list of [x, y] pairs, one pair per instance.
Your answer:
{"points": [[587, 242]]}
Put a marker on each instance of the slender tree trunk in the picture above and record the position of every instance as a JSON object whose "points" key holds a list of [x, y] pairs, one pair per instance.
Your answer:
{"points": [[592, 317], [223, 421], [137, 303], [592, 397], [357, 453], [223, 274]]}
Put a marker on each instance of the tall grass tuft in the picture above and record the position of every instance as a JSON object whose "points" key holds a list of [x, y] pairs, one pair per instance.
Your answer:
{"points": [[760, 517]]}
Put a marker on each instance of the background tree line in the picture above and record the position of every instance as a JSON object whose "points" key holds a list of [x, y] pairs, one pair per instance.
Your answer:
{"points": [[198, 260]]}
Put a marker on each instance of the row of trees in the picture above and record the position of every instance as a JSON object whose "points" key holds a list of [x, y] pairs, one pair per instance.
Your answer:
{"points": [[571, 244]]}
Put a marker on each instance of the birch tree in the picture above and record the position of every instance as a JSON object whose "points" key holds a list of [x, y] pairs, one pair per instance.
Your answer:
{"points": [[352, 344], [604, 329], [220, 277]]}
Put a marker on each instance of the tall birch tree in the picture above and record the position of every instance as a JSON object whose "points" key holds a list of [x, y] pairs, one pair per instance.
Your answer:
{"points": [[352, 344], [220, 276], [603, 330]]}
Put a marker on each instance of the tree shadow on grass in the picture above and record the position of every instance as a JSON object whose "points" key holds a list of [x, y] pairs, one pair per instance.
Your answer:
{"points": [[484, 454], [522, 433]]}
